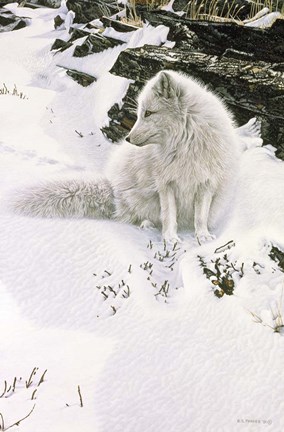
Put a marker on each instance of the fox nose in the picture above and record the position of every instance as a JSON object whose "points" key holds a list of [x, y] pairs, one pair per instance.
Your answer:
{"points": [[127, 138]]}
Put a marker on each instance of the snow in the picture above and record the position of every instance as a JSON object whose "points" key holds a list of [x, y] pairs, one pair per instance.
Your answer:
{"points": [[146, 359], [263, 19]]}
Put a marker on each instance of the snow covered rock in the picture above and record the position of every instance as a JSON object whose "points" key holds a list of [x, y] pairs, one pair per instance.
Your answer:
{"points": [[60, 44], [81, 78], [95, 43], [118, 25], [216, 38], [9, 21]]}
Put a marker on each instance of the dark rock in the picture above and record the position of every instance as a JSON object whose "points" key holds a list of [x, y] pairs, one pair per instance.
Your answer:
{"points": [[89, 10], [249, 88], [95, 43], [122, 119], [277, 255], [77, 34], [35, 4], [5, 2], [58, 21], [6, 19], [118, 25], [10, 22], [62, 45], [50, 3], [180, 5], [80, 77], [216, 38]]}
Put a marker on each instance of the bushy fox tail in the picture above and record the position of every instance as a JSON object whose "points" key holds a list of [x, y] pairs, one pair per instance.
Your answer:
{"points": [[67, 198]]}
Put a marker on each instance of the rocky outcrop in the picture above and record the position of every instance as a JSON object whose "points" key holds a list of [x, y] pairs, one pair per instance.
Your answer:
{"points": [[95, 43], [243, 65], [117, 25], [81, 78], [62, 45], [86, 11], [217, 38]]}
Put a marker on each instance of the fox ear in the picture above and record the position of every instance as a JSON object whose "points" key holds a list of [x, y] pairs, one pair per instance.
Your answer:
{"points": [[166, 86]]}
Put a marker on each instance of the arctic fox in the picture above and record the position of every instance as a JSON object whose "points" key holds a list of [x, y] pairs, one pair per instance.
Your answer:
{"points": [[176, 166]]}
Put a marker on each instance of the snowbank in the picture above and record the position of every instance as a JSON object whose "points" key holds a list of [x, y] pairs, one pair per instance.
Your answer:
{"points": [[106, 307]]}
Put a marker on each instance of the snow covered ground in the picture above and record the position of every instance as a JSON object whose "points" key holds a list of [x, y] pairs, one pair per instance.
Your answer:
{"points": [[109, 308]]}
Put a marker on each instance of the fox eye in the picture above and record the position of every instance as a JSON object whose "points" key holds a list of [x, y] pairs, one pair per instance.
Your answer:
{"points": [[148, 113]]}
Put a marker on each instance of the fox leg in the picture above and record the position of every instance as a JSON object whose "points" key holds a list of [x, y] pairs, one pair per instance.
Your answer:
{"points": [[169, 214], [202, 204]]}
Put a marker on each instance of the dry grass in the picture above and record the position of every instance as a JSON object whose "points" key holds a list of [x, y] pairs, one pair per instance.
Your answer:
{"points": [[258, 5], [206, 10], [209, 10], [134, 19]]}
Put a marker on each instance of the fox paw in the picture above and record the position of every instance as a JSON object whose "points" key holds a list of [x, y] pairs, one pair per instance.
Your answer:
{"points": [[147, 225], [171, 237], [204, 237]]}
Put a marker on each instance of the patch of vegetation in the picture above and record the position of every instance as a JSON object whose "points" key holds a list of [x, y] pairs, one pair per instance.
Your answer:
{"points": [[4, 90], [10, 389], [221, 273], [258, 5], [113, 293], [210, 10]]}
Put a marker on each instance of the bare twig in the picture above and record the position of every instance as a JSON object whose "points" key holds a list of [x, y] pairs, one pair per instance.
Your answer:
{"points": [[226, 246], [80, 396], [33, 394], [2, 423], [42, 378], [5, 389], [30, 380], [14, 384], [20, 421], [79, 133]]}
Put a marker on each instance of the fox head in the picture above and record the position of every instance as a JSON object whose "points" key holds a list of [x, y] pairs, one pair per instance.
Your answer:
{"points": [[161, 110]]}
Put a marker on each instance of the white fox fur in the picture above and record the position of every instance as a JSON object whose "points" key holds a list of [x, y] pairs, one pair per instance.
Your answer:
{"points": [[185, 156], [67, 198], [181, 158]]}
